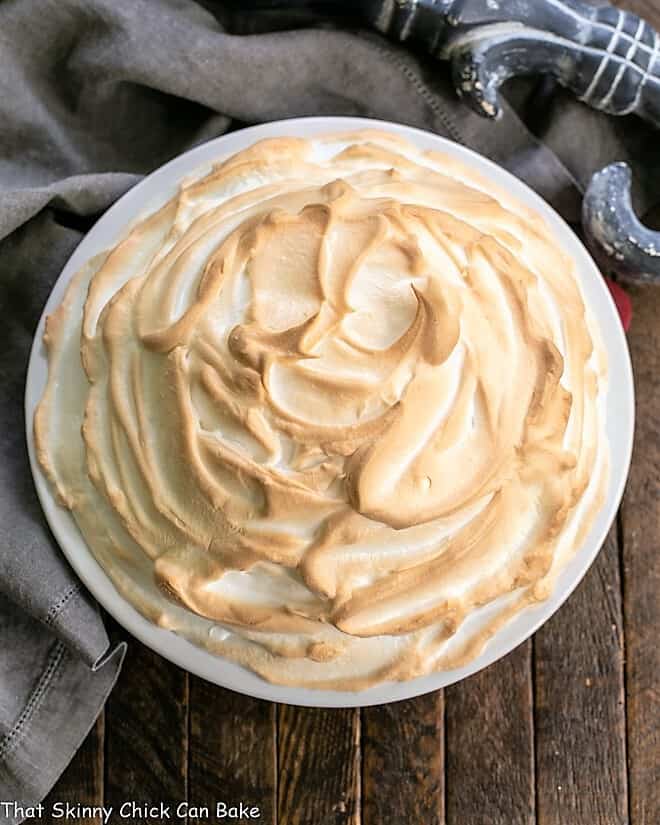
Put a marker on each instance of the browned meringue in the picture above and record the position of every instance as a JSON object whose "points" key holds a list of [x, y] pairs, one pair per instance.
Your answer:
{"points": [[333, 399]]}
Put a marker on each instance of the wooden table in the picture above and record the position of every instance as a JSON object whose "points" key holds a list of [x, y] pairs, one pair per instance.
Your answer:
{"points": [[566, 729]]}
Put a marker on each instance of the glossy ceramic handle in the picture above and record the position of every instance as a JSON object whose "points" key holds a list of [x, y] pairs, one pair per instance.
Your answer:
{"points": [[608, 57], [616, 237]]}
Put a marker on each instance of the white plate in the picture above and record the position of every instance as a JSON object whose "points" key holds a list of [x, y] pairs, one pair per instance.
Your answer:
{"points": [[158, 188]]}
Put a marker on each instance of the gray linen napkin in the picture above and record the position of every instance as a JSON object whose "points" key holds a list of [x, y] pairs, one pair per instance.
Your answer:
{"points": [[96, 93]]}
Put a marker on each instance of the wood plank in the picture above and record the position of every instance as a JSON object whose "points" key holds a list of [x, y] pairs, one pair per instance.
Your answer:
{"points": [[641, 572], [490, 744], [232, 754], [403, 761], [319, 766], [146, 758], [648, 9], [82, 781], [580, 710]]}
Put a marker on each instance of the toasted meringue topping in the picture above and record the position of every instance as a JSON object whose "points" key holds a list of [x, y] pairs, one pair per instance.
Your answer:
{"points": [[334, 399]]}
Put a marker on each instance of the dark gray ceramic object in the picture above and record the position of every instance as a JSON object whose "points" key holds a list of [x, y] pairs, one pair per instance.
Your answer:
{"points": [[617, 239], [608, 57]]}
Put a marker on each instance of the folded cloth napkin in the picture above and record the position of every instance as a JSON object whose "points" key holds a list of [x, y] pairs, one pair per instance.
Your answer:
{"points": [[93, 95]]}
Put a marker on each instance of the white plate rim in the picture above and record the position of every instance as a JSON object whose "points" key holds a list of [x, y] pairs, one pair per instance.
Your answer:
{"points": [[158, 187]]}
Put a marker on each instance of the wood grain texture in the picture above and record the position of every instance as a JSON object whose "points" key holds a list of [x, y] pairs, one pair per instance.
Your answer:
{"points": [[82, 781], [490, 745], [580, 709], [403, 761], [319, 766], [146, 756], [232, 752], [641, 565], [648, 9]]}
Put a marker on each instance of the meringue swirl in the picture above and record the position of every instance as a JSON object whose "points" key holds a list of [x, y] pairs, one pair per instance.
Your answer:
{"points": [[334, 411]]}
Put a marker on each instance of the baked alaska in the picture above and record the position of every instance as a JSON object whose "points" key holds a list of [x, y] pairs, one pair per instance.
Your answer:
{"points": [[334, 412]]}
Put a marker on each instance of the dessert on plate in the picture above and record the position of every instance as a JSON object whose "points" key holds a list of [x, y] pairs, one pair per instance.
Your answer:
{"points": [[335, 411]]}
